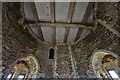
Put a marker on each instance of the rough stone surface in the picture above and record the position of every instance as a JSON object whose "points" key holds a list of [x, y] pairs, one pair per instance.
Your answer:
{"points": [[64, 68], [101, 38], [16, 41], [69, 60], [46, 64]]}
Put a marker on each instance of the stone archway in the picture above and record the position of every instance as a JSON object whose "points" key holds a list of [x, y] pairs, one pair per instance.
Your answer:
{"points": [[101, 61], [27, 66]]}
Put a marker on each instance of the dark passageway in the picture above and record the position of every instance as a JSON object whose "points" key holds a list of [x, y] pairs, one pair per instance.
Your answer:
{"points": [[51, 53]]}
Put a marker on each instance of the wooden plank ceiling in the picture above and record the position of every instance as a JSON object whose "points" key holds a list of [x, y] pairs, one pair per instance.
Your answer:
{"points": [[59, 22]]}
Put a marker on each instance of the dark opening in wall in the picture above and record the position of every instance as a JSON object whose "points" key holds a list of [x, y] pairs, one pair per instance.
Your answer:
{"points": [[51, 53]]}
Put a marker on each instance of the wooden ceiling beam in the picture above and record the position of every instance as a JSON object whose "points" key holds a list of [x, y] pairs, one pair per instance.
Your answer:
{"points": [[61, 24], [52, 7], [35, 15], [70, 14], [85, 19]]}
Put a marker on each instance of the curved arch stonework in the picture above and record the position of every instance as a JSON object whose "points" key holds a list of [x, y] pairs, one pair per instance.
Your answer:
{"points": [[28, 65], [71, 60], [102, 60]]}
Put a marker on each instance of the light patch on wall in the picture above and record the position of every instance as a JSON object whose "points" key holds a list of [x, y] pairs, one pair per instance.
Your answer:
{"points": [[72, 34], [28, 12], [43, 10], [113, 74], [35, 30], [9, 76], [60, 32], [90, 20], [21, 77], [61, 10], [79, 11], [47, 33]]}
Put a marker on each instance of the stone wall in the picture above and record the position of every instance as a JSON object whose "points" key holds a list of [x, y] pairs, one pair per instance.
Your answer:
{"points": [[16, 42], [101, 38], [69, 60]]}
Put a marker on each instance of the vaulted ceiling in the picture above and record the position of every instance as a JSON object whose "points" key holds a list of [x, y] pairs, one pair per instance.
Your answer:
{"points": [[59, 22]]}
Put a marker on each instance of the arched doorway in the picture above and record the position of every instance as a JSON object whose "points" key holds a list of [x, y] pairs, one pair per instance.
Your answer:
{"points": [[105, 64], [24, 68]]}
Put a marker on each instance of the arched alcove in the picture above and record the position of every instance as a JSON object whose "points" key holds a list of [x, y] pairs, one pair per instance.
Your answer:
{"points": [[26, 67], [105, 64], [51, 53]]}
